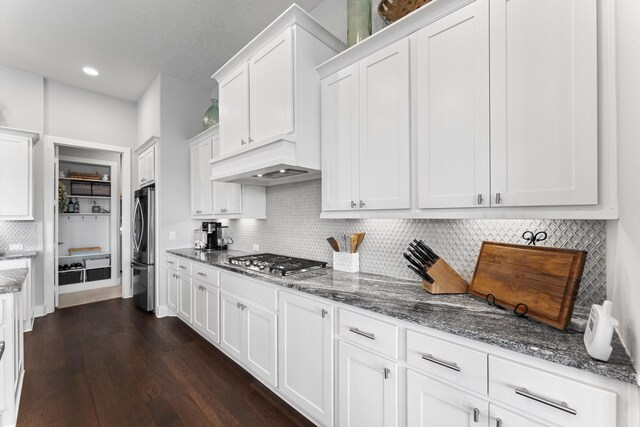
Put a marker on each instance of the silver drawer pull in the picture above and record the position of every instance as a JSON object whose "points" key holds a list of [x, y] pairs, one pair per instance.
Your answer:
{"points": [[170, 262], [364, 334], [553, 403], [387, 371], [476, 415], [498, 422], [202, 274], [451, 365], [324, 313], [184, 267]]}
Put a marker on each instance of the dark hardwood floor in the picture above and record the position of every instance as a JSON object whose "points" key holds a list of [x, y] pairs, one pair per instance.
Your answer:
{"points": [[110, 364]]}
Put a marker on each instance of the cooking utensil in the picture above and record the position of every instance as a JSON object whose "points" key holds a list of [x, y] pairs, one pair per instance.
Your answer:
{"points": [[344, 240], [353, 240], [428, 258], [420, 256], [334, 244], [544, 280], [413, 262], [360, 239], [427, 250]]}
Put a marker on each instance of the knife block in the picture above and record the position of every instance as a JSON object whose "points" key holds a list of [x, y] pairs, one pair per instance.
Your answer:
{"points": [[445, 280]]}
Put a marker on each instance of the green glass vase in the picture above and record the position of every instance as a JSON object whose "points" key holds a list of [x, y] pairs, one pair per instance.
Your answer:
{"points": [[211, 116], [358, 21]]}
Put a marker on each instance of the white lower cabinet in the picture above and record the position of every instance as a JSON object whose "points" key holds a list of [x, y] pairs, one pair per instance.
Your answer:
{"points": [[434, 403], [206, 312], [500, 417], [305, 331], [248, 332], [185, 298], [172, 290], [367, 388]]}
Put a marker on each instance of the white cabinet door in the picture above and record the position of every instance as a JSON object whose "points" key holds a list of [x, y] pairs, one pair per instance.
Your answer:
{"points": [[142, 169], [185, 298], [452, 109], [234, 110], [199, 305], [261, 343], [385, 179], [340, 146], [433, 403], [15, 177], [211, 327], [544, 102], [227, 198], [172, 297], [306, 354], [367, 389], [501, 417], [150, 160], [201, 188], [232, 335], [271, 89]]}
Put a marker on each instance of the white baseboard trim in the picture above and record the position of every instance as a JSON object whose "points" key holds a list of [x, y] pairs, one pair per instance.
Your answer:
{"points": [[39, 310], [162, 311]]}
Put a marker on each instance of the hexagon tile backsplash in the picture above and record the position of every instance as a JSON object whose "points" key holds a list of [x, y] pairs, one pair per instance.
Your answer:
{"points": [[15, 232], [293, 227]]}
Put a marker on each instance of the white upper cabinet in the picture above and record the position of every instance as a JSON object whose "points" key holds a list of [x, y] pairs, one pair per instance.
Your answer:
{"points": [[147, 163], [365, 125], [384, 129], [270, 103], [271, 89], [340, 150], [544, 117], [452, 109], [234, 117], [214, 199], [470, 109], [16, 174]]}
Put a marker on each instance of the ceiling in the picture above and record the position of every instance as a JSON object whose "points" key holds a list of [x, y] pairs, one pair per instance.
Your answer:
{"points": [[130, 41]]}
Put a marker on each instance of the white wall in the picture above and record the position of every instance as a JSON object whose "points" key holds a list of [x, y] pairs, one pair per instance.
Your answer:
{"points": [[333, 15], [624, 235], [149, 113], [182, 110], [70, 112]]}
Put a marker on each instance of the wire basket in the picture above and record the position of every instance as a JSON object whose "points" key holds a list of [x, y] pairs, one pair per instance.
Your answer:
{"points": [[392, 10]]}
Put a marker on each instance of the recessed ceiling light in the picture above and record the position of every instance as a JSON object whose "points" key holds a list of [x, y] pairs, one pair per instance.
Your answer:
{"points": [[259, 175], [90, 71], [282, 171]]}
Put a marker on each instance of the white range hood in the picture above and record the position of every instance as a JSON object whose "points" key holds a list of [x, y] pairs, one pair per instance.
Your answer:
{"points": [[270, 104]]}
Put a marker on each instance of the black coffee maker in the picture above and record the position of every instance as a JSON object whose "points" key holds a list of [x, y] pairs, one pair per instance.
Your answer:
{"points": [[216, 240]]}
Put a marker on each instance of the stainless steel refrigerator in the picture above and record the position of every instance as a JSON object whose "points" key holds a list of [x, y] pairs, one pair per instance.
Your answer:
{"points": [[143, 260]]}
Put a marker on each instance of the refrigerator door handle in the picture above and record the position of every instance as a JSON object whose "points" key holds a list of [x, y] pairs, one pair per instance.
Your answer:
{"points": [[136, 267], [137, 241]]}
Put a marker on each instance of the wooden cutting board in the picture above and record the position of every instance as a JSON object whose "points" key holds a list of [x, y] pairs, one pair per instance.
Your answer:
{"points": [[545, 279]]}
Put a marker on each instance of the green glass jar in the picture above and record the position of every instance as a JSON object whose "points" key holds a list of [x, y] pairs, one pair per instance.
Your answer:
{"points": [[358, 21], [211, 116]]}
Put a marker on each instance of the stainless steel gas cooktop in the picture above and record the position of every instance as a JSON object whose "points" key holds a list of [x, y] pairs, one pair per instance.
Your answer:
{"points": [[279, 265]]}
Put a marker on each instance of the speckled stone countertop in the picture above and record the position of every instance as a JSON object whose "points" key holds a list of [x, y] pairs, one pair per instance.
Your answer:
{"points": [[460, 315], [17, 254], [12, 280]]}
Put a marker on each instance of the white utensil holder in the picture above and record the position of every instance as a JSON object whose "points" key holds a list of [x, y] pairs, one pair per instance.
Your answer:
{"points": [[345, 261]]}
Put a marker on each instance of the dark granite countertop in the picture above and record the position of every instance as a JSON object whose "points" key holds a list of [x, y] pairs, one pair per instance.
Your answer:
{"points": [[17, 254], [460, 315], [12, 280]]}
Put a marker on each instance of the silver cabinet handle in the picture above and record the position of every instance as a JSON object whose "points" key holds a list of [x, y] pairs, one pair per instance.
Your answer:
{"points": [[476, 415], [198, 212], [243, 142], [498, 198], [498, 422], [202, 274], [250, 140], [451, 365], [387, 371], [170, 262], [479, 198], [353, 204], [324, 313], [362, 204], [238, 305], [184, 267], [521, 391], [369, 335], [176, 276]]}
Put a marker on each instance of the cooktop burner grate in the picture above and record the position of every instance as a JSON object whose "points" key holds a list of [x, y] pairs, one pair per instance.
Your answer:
{"points": [[276, 264]]}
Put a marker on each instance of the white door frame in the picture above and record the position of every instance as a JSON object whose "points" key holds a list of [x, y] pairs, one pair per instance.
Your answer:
{"points": [[49, 214]]}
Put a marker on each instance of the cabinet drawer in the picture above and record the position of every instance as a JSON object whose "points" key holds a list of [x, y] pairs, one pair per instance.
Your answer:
{"points": [[452, 362], [172, 262], [206, 273], [551, 397], [368, 332], [250, 289], [184, 266]]}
